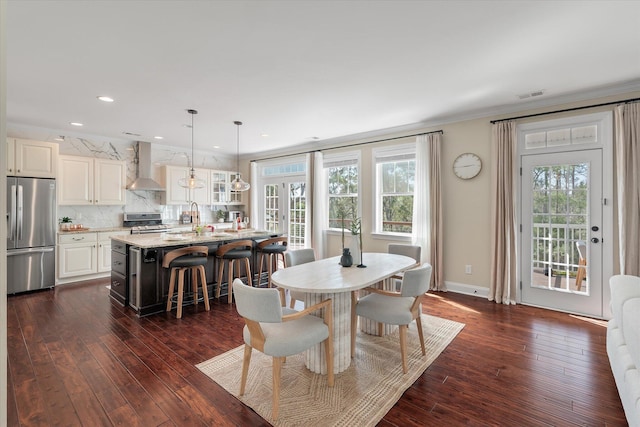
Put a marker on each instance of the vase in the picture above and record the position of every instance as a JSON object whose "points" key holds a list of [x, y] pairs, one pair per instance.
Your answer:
{"points": [[346, 260], [357, 255]]}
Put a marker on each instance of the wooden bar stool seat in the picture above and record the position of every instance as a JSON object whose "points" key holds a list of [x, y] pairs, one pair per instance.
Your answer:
{"points": [[271, 249], [192, 258], [231, 254]]}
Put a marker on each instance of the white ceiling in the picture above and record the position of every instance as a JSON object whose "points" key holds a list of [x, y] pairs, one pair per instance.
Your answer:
{"points": [[298, 70]]}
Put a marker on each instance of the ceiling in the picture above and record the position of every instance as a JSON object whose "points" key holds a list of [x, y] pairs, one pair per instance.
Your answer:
{"points": [[301, 72]]}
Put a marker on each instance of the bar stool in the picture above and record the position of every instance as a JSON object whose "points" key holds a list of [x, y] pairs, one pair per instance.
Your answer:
{"points": [[192, 258], [231, 254], [271, 249]]}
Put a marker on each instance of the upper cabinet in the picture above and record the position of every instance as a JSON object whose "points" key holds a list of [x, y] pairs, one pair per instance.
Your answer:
{"points": [[36, 159], [90, 181], [221, 193], [178, 195], [215, 192]]}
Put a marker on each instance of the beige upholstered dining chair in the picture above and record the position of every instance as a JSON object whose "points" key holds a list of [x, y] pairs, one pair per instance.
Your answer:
{"points": [[301, 256], [411, 251], [269, 330], [394, 308]]}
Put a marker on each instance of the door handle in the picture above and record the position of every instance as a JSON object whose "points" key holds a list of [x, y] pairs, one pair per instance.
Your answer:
{"points": [[595, 240], [19, 212], [12, 214]]}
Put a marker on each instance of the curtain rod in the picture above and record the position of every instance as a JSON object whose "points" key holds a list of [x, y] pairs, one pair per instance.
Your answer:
{"points": [[346, 146], [624, 101]]}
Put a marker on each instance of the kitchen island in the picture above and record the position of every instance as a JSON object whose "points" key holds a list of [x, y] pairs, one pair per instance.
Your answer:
{"points": [[138, 279]]}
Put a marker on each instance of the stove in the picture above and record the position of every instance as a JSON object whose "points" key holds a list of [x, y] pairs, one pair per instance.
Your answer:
{"points": [[144, 222], [142, 229]]}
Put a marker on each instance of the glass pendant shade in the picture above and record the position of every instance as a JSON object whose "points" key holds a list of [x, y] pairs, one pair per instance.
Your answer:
{"points": [[238, 184], [192, 181]]}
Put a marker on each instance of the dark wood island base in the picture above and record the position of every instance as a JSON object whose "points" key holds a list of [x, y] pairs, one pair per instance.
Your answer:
{"points": [[139, 281]]}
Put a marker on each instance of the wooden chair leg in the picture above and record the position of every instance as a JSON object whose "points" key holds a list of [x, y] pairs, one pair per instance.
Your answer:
{"points": [[245, 367], [172, 283], [292, 304], [270, 262], [180, 291], [203, 283], [220, 273], [420, 334], [260, 269], [230, 266], [247, 265], [328, 354], [277, 367], [403, 347]]}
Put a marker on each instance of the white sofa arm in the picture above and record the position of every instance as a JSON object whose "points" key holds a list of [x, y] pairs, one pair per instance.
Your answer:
{"points": [[623, 288]]}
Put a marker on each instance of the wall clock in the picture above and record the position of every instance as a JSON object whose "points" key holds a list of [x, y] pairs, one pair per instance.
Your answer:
{"points": [[467, 165]]}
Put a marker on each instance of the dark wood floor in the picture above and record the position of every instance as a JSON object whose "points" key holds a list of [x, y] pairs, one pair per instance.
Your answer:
{"points": [[77, 359]]}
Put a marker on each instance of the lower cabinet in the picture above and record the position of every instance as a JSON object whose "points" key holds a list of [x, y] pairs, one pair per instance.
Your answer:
{"points": [[83, 256], [77, 255]]}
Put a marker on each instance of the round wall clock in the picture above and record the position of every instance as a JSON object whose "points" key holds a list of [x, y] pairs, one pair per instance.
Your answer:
{"points": [[467, 165]]}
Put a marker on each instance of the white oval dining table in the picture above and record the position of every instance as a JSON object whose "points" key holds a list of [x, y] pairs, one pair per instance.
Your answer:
{"points": [[326, 278]]}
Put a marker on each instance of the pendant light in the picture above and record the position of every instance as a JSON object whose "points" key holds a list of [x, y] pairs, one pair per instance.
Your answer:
{"points": [[238, 184], [192, 181]]}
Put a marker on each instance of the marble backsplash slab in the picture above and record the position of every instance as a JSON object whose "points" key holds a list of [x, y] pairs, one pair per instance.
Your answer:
{"points": [[136, 201]]}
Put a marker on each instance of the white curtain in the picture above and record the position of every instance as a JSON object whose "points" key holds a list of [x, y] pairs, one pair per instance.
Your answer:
{"points": [[427, 202], [420, 224], [254, 194], [319, 217], [502, 288], [627, 144]]}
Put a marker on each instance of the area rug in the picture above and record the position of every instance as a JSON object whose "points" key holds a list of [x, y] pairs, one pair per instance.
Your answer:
{"points": [[362, 394]]}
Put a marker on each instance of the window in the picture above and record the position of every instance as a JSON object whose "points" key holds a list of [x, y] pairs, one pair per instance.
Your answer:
{"points": [[343, 179], [395, 178]]}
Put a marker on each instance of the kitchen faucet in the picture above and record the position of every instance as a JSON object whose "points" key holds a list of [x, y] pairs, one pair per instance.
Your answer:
{"points": [[197, 223]]}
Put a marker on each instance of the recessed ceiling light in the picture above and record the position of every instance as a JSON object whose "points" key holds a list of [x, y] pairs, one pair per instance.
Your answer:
{"points": [[158, 137], [216, 146], [264, 135], [105, 98], [76, 124], [60, 138]]}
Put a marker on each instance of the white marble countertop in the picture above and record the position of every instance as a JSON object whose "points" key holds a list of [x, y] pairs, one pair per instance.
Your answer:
{"points": [[95, 230], [156, 240]]}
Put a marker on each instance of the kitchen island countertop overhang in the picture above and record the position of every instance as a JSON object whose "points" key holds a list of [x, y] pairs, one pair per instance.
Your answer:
{"points": [[157, 240]]}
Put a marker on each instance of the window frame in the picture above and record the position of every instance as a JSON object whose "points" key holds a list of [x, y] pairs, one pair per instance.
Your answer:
{"points": [[352, 158], [382, 156]]}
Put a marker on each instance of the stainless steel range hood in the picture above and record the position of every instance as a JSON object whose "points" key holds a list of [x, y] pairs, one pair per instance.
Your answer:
{"points": [[142, 160]]}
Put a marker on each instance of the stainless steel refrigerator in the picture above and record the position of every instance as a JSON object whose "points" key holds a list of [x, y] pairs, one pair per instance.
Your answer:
{"points": [[31, 234]]}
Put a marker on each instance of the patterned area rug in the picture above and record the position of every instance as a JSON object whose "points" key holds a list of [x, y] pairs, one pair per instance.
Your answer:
{"points": [[362, 394]]}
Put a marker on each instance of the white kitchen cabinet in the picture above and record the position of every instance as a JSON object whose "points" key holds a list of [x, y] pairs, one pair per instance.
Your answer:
{"points": [[83, 256], [104, 249], [77, 255], [36, 159], [177, 195], [221, 193], [90, 181]]}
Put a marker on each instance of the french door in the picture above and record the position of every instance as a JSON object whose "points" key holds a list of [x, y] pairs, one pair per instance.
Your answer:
{"points": [[562, 221], [285, 209]]}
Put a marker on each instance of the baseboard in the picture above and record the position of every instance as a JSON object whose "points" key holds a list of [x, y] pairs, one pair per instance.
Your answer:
{"points": [[462, 288]]}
